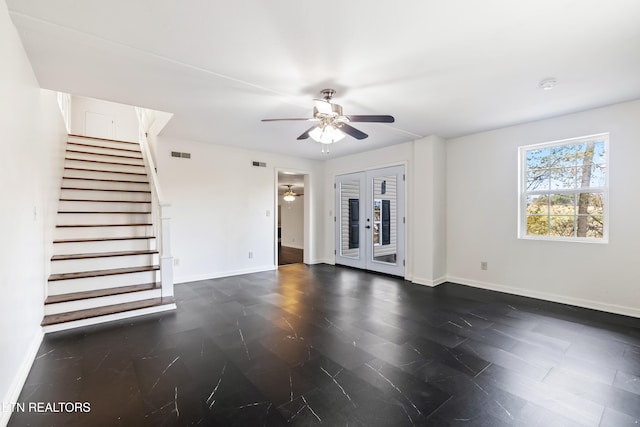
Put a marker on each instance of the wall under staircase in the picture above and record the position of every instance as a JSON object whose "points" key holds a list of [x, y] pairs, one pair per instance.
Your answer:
{"points": [[106, 262]]}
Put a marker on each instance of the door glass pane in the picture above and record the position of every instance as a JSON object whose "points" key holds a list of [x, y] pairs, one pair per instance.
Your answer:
{"points": [[384, 219], [350, 219]]}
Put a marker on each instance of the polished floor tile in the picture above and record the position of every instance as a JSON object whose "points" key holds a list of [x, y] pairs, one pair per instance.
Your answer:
{"points": [[327, 345]]}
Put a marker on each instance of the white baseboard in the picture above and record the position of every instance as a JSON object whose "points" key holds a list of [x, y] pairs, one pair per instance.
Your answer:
{"points": [[563, 299], [21, 375], [217, 275], [427, 282], [289, 245]]}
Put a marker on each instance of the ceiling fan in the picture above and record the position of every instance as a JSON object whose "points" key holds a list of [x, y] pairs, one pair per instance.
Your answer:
{"points": [[289, 195], [332, 125]]}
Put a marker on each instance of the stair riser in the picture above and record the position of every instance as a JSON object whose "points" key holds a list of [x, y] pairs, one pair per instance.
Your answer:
{"points": [[102, 282], [105, 263], [106, 246], [104, 175], [103, 206], [105, 150], [100, 232], [104, 185], [105, 195], [64, 307], [93, 219], [104, 158], [103, 143], [100, 163], [107, 167]]}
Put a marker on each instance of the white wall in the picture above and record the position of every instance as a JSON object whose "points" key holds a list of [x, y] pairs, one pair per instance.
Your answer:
{"points": [[32, 142], [292, 219], [482, 199], [124, 116], [427, 205], [153, 123], [219, 205]]}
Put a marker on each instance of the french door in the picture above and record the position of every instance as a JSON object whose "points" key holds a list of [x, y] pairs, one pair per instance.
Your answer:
{"points": [[370, 220]]}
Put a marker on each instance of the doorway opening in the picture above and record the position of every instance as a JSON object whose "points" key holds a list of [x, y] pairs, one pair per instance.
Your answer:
{"points": [[291, 219]]}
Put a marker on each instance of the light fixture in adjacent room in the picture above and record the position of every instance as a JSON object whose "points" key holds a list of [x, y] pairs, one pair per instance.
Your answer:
{"points": [[289, 196], [548, 84]]}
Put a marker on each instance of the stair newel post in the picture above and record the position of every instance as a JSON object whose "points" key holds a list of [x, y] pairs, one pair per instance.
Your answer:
{"points": [[166, 259]]}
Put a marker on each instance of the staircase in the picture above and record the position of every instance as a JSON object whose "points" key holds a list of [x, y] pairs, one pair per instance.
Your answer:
{"points": [[106, 262]]}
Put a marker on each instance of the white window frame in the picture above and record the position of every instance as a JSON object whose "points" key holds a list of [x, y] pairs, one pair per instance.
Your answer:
{"points": [[523, 193]]}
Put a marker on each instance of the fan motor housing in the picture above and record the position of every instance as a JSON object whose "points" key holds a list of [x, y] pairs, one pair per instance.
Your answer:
{"points": [[335, 108]]}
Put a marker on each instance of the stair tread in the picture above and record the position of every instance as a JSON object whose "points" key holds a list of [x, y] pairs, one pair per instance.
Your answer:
{"points": [[53, 319], [103, 162], [102, 239], [73, 135], [105, 171], [103, 201], [102, 255], [129, 150], [98, 273], [76, 296], [107, 189], [104, 154], [127, 181], [144, 224]]}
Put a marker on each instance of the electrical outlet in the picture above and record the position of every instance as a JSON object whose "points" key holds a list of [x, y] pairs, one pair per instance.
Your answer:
{"points": [[484, 265], [176, 262], [250, 254]]}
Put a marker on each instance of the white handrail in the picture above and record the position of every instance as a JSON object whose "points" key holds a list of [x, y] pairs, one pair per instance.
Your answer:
{"points": [[159, 210]]}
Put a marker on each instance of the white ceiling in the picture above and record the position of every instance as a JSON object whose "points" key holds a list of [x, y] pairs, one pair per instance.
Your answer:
{"points": [[447, 68]]}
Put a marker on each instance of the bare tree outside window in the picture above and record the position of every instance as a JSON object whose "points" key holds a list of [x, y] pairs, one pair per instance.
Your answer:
{"points": [[564, 189]]}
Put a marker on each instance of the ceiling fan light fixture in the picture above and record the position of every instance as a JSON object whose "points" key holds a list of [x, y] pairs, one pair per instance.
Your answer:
{"points": [[333, 125], [327, 134]]}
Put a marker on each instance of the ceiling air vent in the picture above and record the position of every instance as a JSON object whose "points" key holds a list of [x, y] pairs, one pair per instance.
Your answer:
{"points": [[259, 164]]}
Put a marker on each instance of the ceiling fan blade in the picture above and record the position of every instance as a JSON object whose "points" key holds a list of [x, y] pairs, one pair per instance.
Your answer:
{"points": [[323, 106], [305, 135], [350, 130], [372, 119], [311, 119]]}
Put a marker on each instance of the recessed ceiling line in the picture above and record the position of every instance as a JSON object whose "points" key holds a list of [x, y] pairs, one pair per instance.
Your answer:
{"points": [[156, 56]]}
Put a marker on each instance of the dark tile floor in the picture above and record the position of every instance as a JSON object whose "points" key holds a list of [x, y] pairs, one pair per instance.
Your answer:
{"points": [[324, 345], [288, 255]]}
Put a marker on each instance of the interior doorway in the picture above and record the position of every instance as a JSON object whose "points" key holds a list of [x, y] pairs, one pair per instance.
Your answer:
{"points": [[99, 125], [291, 218], [370, 219]]}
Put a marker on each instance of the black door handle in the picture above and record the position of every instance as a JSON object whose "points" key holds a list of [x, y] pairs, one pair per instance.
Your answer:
{"points": [[368, 226]]}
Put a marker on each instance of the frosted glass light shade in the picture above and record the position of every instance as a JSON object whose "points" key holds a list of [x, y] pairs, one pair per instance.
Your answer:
{"points": [[327, 134]]}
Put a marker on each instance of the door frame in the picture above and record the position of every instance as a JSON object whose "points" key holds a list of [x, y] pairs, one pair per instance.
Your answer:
{"points": [[306, 254], [405, 203]]}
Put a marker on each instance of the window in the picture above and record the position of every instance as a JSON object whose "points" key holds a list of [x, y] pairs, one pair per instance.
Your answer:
{"points": [[564, 190]]}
